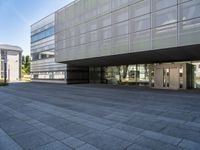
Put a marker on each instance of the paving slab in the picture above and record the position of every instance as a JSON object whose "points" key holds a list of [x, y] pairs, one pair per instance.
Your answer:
{"points": [[41, 116], [155, 144], [54, 146], [189, 145], [87, 147], [32, 139], [105, 142], [73, 142], [161, 137], [15, 126], [7, 143]]}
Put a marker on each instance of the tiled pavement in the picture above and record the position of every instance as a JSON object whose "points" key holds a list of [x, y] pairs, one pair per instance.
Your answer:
{"points": [[90, 117]]}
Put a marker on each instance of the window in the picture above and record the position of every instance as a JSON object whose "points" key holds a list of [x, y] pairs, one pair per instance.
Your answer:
{"points": [[166, 77], [42, 55], [44, 34], [181, 76], [181, 71]]}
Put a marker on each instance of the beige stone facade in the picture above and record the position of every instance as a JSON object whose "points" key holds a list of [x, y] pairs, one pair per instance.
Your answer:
{"points": [[11, 59]]}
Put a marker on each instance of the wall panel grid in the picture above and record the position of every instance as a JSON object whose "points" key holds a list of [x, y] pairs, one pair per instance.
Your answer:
{"points": [[145, 24], [43, 24]]}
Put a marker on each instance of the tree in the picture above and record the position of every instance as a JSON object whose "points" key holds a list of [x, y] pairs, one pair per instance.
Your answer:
{"points": [[122, 71], [125, 70], [27, 61], [26, 65], [23, 60], [119, 73]]}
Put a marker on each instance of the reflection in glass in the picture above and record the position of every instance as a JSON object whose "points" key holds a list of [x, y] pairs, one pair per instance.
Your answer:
{"points": [[166, 77], [181, 76], [44, 34], [196, 75], [43, 55], [128, 74]]}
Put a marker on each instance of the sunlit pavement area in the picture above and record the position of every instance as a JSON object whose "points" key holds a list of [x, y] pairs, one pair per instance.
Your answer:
{"points": [[88, 117]]}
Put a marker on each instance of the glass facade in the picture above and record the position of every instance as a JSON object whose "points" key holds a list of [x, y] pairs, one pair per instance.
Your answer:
{"points": [[124, 74], [43, 55], [43, 65], [196, 74], [144, 74], [44, 34]]}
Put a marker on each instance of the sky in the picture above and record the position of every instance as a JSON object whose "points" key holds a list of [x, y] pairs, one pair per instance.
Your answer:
{"points": [[16, 17]]}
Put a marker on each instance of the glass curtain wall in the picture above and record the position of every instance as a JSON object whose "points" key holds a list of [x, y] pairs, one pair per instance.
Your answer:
{"points": [[128, 74], [196, 74], [143, 74]]}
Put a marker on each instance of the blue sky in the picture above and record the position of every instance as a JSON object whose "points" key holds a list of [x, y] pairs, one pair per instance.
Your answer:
{"points": [[16, 17]]}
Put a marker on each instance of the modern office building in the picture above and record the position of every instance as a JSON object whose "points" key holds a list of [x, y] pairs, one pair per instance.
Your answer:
{"points": [[142, 42], [11, 62], [43, 65]]}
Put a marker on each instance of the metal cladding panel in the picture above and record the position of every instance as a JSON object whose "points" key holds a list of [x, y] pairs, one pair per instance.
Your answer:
{"points": [[117, 4], [120, 15], [162, 4], [164, 37], [104, 7], [94, 28], [140, 41], [49, 20], [139, 9], [189, 32]]}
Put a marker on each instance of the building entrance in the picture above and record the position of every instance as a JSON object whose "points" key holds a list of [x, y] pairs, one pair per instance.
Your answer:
{"points": [[172, 76]]}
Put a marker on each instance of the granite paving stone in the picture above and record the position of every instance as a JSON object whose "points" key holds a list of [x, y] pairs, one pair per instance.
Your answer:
{"points": [[15, 126], [43, 116], [32, 139], [7, 143], [54, 146], [87, 147], [155, 144], [73, 142], [122, 134], [137, 147], [161, 137], [187, 144], [105, 142]]}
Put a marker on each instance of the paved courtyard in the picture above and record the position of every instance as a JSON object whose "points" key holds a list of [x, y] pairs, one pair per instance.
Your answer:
{"points": [[90, 117]]}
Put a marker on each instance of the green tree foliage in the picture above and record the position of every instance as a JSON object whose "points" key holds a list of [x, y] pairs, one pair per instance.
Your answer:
{"points": [[23, 60], [26, 65]]}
